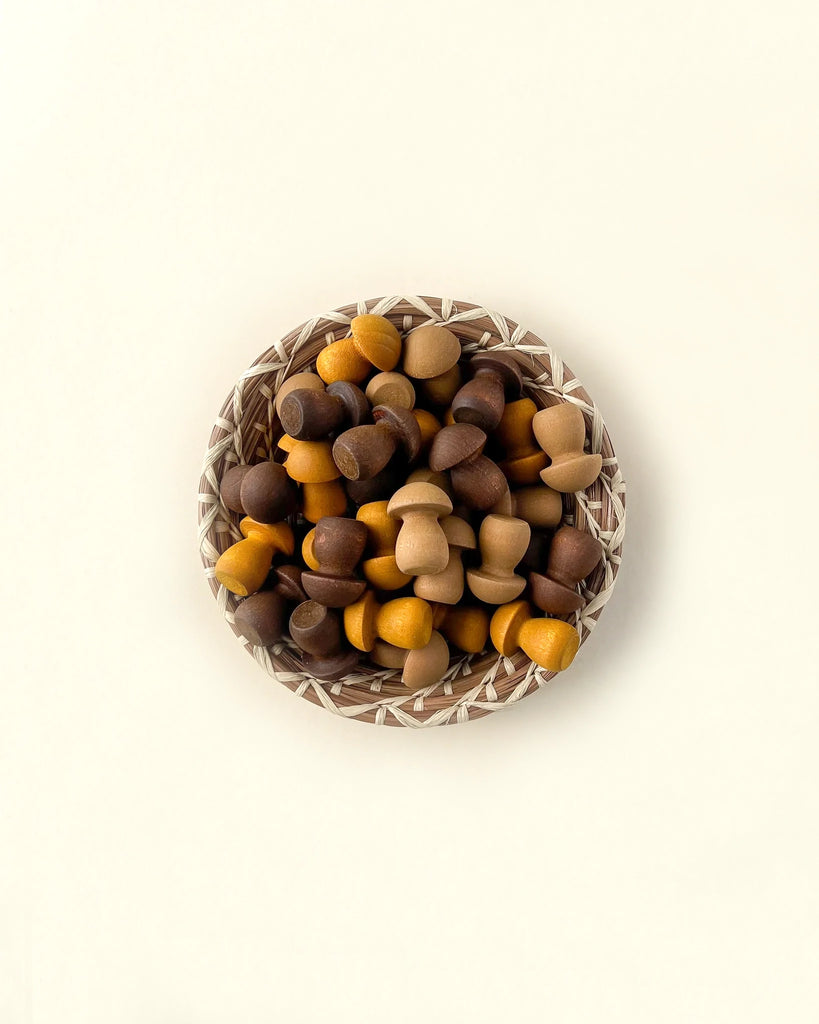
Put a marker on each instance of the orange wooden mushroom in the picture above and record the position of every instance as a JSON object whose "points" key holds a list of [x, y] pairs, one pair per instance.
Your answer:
{"points": [[550, 643], [244, 566], [405, 622], [374, 342]]}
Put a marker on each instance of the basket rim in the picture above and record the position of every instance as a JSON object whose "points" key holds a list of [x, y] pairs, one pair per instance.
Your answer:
{"points": [[471, 688]]}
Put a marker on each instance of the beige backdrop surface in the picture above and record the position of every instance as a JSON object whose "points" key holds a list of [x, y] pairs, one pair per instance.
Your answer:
{"points": [[182, 840]]}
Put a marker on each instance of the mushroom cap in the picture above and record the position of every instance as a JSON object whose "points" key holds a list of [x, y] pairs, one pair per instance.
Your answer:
{"points": [[230, 488], [341, 360], [458, 532], [428, 476], [569, 475], [502, 363], [359, 621], [574, 554], [428, 424], [299, 381], [280, 535], [563, 422], [339, 543], [430, 351], [441, 390], [419, 497], [353, 399], [515, 427], [382, 572], [403, 425], [315, 629], [391, 388], [388, 655], [425, 666], [405, 622], [454, 445], [311, 462], [465, 627], [289, 583], [550, 643], [554, 597], [377, 340], [266, 493], [260, 618], [504, 629]]}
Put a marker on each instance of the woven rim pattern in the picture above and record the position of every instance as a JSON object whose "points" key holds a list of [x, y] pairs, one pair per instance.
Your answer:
{"points": [[246, 431]]}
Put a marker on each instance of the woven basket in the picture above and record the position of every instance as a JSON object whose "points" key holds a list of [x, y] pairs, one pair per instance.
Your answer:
{"points": [[246, 431]]}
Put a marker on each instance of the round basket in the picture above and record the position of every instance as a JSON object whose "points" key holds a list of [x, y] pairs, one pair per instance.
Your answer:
{"points": [[246, 431]]}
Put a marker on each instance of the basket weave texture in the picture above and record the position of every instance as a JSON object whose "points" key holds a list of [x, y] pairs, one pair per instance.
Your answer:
{"points": [[246, 431]]}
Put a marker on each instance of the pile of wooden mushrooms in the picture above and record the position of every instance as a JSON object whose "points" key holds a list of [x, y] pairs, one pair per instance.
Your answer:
{"points": [[426, 506]]}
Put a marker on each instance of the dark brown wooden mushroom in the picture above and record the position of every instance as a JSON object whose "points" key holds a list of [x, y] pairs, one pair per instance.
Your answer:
{"points": [[317, 631], [260, 618], [572, 556], [312, 415], [338, 546], [363, 451], [267, 493], [230, 488], [481, 401], [476, 480]]}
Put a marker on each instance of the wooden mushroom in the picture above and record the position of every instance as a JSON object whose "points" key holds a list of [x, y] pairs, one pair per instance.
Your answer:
{"points": [[550, 643], [311, 464], [561, 431], [439, 391], [422, 546], [430, 351], [481, 401], [244, 566], [361, 452], [230, 488], [311, 415], [374, 342], [266, 493], [298, 382], [317, 631], [431, 355], [261, 617], [380, 569], [466, 628], [391, 388], [572, 556], [422, 667], [476, 480], [338, 547], [503, 541], [404, 622], [447, 586], [524, 460], [540, 505], [324, 499]]}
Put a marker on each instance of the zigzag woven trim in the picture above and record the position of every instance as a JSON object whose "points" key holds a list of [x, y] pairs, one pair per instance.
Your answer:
{"points": [[241, 443]]}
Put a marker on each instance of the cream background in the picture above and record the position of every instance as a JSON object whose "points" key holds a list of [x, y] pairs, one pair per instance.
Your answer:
{"points": [[184, 841]]}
